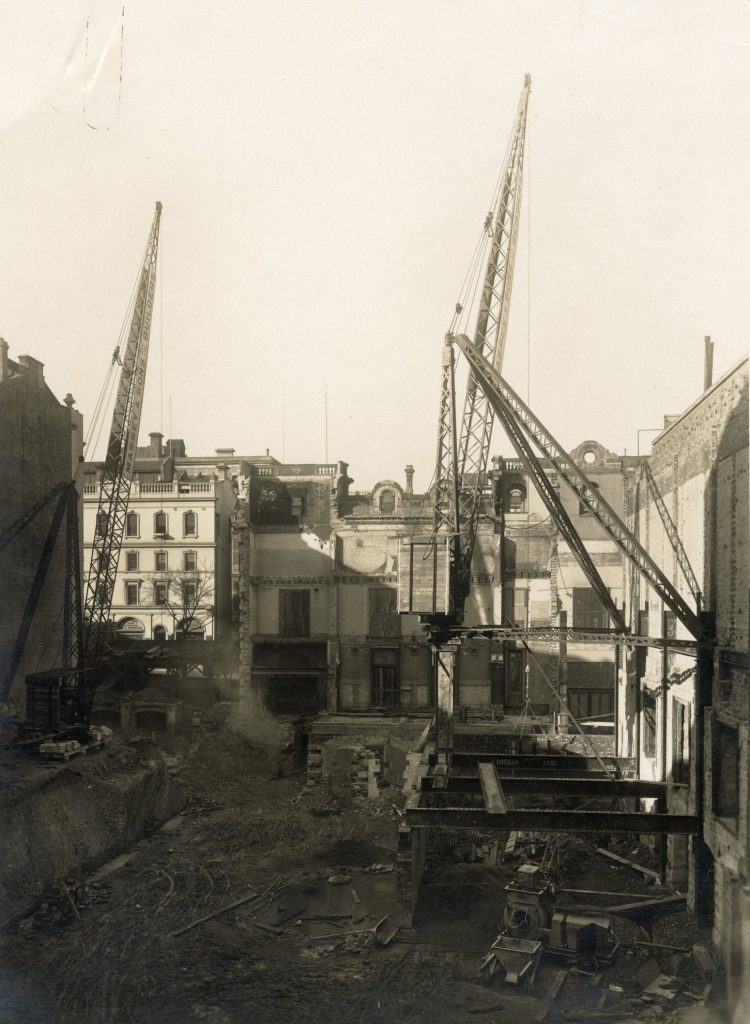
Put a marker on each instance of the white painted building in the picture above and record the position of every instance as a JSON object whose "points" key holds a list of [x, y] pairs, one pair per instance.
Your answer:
{"points": [[174, 576]]}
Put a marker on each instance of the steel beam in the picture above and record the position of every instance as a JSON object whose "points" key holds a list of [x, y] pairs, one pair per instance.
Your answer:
{"points": [[554, 821], [539, 785], [492, 791], [573, 634], [546, 764]]}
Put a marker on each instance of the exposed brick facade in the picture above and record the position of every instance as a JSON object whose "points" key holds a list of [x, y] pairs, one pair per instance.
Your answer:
{"points": [[700, 466], [41, 441]]}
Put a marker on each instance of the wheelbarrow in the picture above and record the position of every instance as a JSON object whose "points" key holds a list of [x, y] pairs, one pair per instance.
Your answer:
{"points": [[516, 959]]}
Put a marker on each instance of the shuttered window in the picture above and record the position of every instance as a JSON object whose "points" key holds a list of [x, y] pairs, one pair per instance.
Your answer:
{"points": [[294, 613]]}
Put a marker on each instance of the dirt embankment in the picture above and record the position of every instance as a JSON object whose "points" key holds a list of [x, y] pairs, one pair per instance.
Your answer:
{"points": [[61, 821]]}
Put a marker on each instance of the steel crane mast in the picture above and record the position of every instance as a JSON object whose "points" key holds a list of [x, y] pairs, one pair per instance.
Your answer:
{"points": [[120, 457], [461, 467]]}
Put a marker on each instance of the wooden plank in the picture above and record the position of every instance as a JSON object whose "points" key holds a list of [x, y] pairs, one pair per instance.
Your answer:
{"points": [[648, 872], [494, 799], [623, 908], [510, 846]]}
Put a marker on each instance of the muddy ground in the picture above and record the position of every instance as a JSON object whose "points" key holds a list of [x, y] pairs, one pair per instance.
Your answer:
{"points": [[250, 828]]}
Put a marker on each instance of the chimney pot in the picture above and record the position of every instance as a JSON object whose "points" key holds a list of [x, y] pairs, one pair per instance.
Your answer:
{"points": [[409, 471], [708, 362]]}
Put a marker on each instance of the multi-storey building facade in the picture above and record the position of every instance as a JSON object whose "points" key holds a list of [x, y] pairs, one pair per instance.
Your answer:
{"points": [[318, 579], [42, 440], [700, 465], [174, 576]]}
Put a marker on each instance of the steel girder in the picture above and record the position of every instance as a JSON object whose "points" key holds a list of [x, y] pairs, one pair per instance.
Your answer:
{"points": [[574, 634], [674, 537], [553, 821], [503, 397]]}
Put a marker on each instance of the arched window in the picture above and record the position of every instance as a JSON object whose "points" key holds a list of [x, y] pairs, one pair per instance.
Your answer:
{"points": [[160, 633], [160, 523], [516, 499], [131, 524], [189, 524], [387, 502]]}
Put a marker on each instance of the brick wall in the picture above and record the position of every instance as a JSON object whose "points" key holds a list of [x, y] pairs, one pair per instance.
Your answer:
{"points": [[35, 454]]}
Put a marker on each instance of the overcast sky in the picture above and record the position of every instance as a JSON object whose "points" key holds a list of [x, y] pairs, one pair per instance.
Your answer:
{"points": [[325, 168]]}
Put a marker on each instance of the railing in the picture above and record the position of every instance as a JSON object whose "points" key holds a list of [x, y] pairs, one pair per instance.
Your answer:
{"points": [[176, 488], [307, 469]]}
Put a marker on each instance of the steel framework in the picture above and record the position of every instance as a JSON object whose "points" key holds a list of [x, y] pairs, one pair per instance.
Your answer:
{"points": [[509, 406], [120, 457], [460, 472]]}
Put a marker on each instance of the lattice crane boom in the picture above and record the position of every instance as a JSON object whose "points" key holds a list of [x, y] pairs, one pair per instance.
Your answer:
{"points": [[120, 458], [503, 398], [490, 333]]}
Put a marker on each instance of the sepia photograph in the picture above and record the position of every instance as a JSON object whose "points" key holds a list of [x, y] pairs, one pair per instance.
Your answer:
{"points": [[374, 512]]}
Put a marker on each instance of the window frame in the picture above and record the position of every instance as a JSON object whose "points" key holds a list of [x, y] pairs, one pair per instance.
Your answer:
{"points": [[288, 617], [157, 556], [135, 518], [583, 509], [194, 532], [134, 555], [157, 531], [385, 682], [391, 495], [185, 566], [725, 735], [137, 590], [521, 491], [160, 587]]}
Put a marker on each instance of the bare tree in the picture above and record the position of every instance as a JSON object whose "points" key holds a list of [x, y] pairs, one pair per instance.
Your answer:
{"points": [[186, 596]]}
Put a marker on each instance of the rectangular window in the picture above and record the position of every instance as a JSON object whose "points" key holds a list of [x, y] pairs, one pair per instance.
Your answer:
{"points": [[131, 524], [160, 593], [160, 523], [298, 505], [190, 561], [189, 591], [588, 612], [648, 703], [515, 606], [583, 509], [383, 617], [160, 561], [598, 704], [514, 677], [384, 678], [131, 561], [131, 593], [726, 776], [680, 741], [294, 613]]}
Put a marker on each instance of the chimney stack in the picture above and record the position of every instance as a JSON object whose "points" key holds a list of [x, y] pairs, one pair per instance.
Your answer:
{"points": [[154, 447], [4, 359], [708, 363], [409, 470]]}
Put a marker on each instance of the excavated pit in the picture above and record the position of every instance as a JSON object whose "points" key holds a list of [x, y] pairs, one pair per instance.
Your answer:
{"points": [[62, 820]]}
